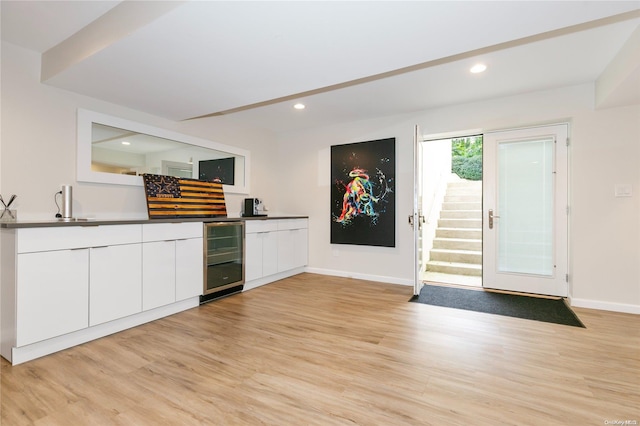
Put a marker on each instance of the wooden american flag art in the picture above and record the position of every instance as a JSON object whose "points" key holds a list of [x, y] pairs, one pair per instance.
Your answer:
{"points": [[173, 197]]}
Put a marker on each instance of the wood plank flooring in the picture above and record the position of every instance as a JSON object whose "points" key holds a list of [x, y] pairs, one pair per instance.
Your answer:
{"points": [[317, 350]]}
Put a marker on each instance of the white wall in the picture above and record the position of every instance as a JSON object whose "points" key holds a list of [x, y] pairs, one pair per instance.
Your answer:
{"points": [[38, 154], [605, 150], [308, 186], [38, 146]]}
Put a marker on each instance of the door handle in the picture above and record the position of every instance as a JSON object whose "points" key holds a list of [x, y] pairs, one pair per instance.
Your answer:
{"points": [[491, 217]]}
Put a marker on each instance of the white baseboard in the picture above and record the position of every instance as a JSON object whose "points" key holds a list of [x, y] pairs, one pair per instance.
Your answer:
{"points": [[368, 277], [580, 303], [250, 285], [605, 306]]}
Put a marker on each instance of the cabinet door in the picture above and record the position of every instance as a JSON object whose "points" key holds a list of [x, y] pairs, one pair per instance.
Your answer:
{"points": [[270, 253], [286, 250], [261, 251], [189, 268], [253, 256], [158, 274], [301, 237], [292, 249], [52, 294], [115, 282]]}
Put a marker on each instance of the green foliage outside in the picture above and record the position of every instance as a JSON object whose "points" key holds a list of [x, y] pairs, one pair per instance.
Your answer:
{"points": [[466, 159]]}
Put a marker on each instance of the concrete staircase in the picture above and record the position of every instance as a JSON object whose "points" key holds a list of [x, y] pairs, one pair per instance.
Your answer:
{"points": [[457, 247]]}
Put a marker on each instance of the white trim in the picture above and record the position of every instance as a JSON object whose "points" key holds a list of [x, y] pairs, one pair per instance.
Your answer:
{"points": [[49, 346], [605, 306], [250, 285], [85, 120], [452, 135], [367, 277]]}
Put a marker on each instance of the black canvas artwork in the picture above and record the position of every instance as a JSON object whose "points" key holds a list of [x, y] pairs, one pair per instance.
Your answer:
{"points": [[363, 210], [221, 170]]}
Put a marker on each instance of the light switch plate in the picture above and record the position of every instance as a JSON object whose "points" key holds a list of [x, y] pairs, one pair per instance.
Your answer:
{"points": [[623, 190]]}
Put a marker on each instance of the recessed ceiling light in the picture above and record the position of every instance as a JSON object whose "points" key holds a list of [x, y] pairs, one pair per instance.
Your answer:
{"points": [[126, 143], [478, 68], [299, 106]]}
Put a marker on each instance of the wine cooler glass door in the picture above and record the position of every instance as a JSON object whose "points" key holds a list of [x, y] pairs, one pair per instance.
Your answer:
{"points": [[224, 256]]}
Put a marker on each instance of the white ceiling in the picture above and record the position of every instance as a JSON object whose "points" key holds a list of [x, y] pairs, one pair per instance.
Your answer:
{"points": [[346, 60]]}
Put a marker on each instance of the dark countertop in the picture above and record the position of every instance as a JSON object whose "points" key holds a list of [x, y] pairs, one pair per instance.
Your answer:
{"points": [[95, 222]]}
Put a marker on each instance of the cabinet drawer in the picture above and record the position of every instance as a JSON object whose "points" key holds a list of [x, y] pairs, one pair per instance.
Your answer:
{"points": [[72, 237], [253, 226], [284, 224], [112, 235], [46, 239], [171, 231]]}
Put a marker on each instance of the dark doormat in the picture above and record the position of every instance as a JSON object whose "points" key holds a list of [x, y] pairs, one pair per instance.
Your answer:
{"points": [[527, 307]]}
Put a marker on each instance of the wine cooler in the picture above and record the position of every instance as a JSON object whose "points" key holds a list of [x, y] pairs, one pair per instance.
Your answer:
{"points": [[223, 259]]}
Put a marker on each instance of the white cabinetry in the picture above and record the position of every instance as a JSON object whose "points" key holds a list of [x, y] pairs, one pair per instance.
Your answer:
{"points": [[115, 287], [292, 244], [275, 249], [115, 272], [52, 297], [172, 263], [158, 273], [69, 284], [261, 248], [69, 278], [189, 267]]}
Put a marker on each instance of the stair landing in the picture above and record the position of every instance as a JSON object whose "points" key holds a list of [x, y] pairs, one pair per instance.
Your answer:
{"points": [[439, 277]]}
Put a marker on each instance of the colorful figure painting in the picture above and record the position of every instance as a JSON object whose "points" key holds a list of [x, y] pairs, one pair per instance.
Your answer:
{"points": [[363, 193]]}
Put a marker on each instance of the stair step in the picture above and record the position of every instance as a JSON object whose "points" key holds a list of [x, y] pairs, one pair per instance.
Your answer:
{"points": [[454, 268], [460, 223], [477, 184], [457, 244], [463, 198], [463, 233], [464, 191], [461, 214], [462, 205], [456, 256]]}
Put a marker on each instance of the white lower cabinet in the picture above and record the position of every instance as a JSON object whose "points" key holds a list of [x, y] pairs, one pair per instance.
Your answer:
{"points": [[52, 295], [274, 246], [292, 249], [173, 264], [261, 254], [115, 282], [252, 256], [189, 268], [261, 249], [62, 286], [158, 274]]}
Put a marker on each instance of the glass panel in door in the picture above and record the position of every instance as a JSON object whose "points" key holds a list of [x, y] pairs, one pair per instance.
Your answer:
{"points": [[525, 203]]}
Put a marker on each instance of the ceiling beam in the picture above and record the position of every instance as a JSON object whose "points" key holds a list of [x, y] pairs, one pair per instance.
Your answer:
{"points": [[619, 83], [116, 24]]}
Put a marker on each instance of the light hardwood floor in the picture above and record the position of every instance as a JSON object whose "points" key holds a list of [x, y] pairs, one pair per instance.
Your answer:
{"points": [[317, 350]]}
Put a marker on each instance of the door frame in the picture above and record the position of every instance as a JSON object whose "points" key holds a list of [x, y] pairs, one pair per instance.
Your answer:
{"points": [[416, 217]]}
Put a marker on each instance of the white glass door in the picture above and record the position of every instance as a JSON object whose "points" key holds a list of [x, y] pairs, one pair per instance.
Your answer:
{"points": [[525, 210]]}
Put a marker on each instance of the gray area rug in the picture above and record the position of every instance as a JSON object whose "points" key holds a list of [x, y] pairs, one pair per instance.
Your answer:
{"points": [[532, 308]]}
